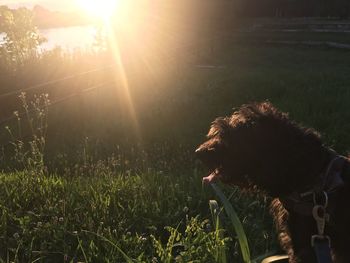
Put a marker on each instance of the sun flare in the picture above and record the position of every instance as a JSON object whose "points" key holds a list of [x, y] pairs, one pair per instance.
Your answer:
{"points": [[101, 9]]}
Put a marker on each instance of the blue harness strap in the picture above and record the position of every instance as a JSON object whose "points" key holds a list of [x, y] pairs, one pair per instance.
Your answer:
{"points": [[322, 248]]}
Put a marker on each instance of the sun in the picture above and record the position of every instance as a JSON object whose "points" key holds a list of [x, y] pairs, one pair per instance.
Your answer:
{"points": [[101, 9]]}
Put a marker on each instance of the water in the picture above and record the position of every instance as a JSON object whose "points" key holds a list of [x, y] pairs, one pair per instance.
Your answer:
{"points": [[68, 38]]}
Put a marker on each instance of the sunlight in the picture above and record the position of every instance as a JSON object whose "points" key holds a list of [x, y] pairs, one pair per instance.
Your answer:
{"points": [[116, 17], [124, 88], [101, 9]]}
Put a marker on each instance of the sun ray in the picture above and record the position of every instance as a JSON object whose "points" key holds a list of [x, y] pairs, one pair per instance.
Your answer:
{"points": [[124, 80], [114, 15]]}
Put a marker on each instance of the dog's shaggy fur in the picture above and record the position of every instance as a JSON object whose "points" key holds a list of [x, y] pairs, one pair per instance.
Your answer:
{"points": [[258, 147]]}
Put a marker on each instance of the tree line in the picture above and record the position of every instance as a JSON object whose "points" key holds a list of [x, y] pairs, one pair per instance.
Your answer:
{"points": [[293, 8]]}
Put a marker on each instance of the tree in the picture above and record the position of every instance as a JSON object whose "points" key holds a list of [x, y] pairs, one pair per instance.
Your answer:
{"points": [[21, 38]]}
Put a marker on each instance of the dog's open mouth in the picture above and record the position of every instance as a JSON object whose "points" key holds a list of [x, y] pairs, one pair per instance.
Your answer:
{"points": [[212, 177]]}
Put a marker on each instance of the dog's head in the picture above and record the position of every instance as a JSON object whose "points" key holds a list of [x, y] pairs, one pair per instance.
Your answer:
{"points": [[258, 146], [221, 154]]}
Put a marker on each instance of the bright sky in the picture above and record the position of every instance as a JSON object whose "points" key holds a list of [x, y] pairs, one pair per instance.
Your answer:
{"points": [[53, 5], [101, 9]]}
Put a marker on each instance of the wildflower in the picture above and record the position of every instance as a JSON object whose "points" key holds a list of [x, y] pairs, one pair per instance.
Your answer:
{"points": [[16, 114], [60, 219], [186, 209], [16, 235], [143, 238]]}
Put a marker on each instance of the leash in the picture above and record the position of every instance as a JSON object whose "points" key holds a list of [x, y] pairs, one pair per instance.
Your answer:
{"points": [[321, 243], [322, 249]]}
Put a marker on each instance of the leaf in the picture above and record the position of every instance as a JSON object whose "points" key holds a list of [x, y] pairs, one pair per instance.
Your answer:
{"points": [[236, 223]]}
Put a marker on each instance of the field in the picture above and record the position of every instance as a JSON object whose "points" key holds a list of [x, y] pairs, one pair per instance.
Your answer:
{"points": [[121, 184]]}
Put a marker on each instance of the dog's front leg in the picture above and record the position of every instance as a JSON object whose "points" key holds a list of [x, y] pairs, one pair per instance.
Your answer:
{"points": [[294, 233]]}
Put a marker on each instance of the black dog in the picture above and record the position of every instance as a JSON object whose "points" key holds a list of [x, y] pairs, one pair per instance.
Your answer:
{"points": [[258, 147]]}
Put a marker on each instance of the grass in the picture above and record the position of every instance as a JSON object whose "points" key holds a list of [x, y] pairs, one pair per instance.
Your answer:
{"points": [[105, 217], [119, 196]]}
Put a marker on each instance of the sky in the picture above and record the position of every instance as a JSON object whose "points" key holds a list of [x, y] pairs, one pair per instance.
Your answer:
{"points": [[53, 5]]}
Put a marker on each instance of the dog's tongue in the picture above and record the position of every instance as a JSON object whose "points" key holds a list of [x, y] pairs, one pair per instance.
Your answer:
{"points": [[210, 178]]}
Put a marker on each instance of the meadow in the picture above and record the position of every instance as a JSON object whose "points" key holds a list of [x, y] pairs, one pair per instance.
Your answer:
{"points": [[116, 179]]}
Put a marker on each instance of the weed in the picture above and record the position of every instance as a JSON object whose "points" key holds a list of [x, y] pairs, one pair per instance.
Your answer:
{"points": [[31, 156]]}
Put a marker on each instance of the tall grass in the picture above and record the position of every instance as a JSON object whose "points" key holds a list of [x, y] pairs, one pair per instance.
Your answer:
{"points": [[101, 209]]}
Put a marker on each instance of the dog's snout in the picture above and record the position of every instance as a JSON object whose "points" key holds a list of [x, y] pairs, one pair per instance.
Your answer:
{"points": [[204, 153], [198, 151]]}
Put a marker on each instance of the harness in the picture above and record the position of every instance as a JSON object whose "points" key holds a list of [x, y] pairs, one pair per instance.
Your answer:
{"points": [[315, 202]]}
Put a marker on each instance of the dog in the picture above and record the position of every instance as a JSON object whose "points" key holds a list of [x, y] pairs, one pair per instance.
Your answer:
{"points": [[260, 148]]}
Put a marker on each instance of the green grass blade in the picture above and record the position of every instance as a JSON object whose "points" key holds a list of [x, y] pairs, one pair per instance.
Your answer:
{"points": [[237, 225], [215, 212], [125, 256], [82, 249]]}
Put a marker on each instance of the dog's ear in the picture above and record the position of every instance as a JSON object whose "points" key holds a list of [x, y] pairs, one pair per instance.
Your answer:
{"points": [[211, 152], [219, 127]]}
